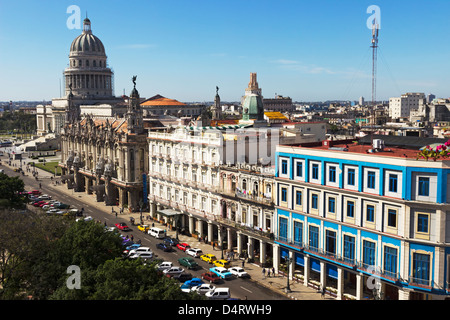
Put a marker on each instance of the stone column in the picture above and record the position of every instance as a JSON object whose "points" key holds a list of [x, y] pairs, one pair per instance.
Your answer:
{"points": [[239, 242], [262, 252], [323, 274], [250, 246], [191, 225], [210, 232], [306, 270], [200, 227], [229, 238], [340, 283], [291, 265], [359, 286], [276, 257]]}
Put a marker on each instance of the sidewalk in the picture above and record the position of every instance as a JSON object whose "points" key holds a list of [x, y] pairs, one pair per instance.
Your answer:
{"points": [[277, 283]]}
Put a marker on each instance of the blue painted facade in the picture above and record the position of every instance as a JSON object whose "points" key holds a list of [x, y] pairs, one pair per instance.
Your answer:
{"points": [[387, 249]]}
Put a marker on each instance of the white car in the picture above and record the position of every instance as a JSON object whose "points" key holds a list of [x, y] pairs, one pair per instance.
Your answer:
{"points": [[239, 272], [142, 255], [203, 288], [140, 250], [173, 270], [89, 218], [218, 293], [195, 252], [164, 265], [44, 197]]}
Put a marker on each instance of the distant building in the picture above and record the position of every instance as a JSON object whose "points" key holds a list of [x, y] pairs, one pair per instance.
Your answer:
{"points": [[279, 103], [401, 107]]}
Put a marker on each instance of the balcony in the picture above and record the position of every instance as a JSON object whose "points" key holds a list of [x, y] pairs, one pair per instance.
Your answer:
{"points": [[259, 199]]}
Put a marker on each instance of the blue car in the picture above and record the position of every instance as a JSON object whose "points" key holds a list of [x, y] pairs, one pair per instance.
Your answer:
{"points": [[163, 246], [222, 272], [194, 282], [133, 246]]}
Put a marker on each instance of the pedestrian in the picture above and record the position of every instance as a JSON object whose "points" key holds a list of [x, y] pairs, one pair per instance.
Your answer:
{"points": [[132, 238], [273, 271], [322, 292], [243, 263], [213, 245], [264, 272], [268, 272]]}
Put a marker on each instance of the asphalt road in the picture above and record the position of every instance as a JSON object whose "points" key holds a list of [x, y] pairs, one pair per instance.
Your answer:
{"points": [[240, 288]]}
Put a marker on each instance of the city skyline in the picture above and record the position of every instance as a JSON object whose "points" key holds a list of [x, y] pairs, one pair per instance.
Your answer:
{"points": [[309, 51]]}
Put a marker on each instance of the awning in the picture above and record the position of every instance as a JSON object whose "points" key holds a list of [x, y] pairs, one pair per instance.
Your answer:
{"points": [[169, 212]]}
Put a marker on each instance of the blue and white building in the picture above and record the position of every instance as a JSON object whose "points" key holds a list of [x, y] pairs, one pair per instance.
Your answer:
{"points": [[363, 224]]}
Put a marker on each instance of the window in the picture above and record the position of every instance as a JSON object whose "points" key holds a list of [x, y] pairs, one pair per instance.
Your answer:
{"points": [[332, 174], [284, 167], [298, 233], [370, 213], [283, 227], [283, 194], [390, 261], [314, 201], [350, 209], [422, 223], [421, 268], [368, 253], [313, 237], [298, 198], [330, 243], [332, 205], [315, 171], [351, 177], [349, 249], [392, 218], [424, 186], [299, 169], [393, 182], [371, 180]]}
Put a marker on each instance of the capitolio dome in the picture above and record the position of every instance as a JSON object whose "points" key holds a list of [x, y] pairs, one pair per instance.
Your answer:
{"points": [[86, 42]]}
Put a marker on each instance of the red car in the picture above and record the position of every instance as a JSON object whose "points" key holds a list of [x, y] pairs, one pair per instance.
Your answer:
{"points": [[38, 204], [122, 226], [183, 246], [211, 277]]}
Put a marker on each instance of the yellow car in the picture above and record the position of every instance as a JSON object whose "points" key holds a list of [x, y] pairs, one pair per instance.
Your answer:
{"points": [[210, 258], [222, 263], [143, 227]]}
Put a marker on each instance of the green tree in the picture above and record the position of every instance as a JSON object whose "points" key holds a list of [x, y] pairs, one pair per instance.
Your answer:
{"points": [[10, 188]]}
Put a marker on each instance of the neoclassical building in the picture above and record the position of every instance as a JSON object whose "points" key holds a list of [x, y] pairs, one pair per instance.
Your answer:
{"points": [[90, 80], [107, 157]]}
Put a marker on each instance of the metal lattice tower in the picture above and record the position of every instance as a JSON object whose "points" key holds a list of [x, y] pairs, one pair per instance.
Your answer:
{"points": [[374, 46]]}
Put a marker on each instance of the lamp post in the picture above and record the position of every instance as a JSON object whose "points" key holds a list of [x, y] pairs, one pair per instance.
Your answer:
{"points": [[288, 263]]}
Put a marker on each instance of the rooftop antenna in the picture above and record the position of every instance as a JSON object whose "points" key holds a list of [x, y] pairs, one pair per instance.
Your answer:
{"points": [[374, 46]]}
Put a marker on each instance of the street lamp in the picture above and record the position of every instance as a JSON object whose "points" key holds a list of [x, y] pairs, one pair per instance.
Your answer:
{"points": [[288, 263]]}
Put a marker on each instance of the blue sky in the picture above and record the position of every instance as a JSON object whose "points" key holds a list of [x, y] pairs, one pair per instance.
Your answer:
{"points": [[182, 49]]}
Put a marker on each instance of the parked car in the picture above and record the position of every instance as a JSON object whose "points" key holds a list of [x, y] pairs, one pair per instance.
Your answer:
{"points": [[183, 246], [211, 277], [170, 241], [35, 192], [164, 247], [188, 285], [182, 277], [239, 272], [122, 226], [164, 265], [188, 262], [133, 246], [203, 288], [210, 258], [142, 255], [222, 272], [140, 250], [173, 271], [222, 263], [143, 227], [44, 197], [218, 293], [195, 252]]}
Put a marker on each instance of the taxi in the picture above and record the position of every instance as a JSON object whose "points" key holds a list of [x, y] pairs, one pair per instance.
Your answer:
{"points": [[143, 227], [222, 263], [210, 258]]}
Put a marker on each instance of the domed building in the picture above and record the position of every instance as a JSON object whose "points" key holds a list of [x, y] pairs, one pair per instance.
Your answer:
{"points": [[88, 86], [88, 70]]}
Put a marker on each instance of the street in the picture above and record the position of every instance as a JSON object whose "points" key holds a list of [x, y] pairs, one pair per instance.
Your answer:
{"points": [[240, 288]]}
